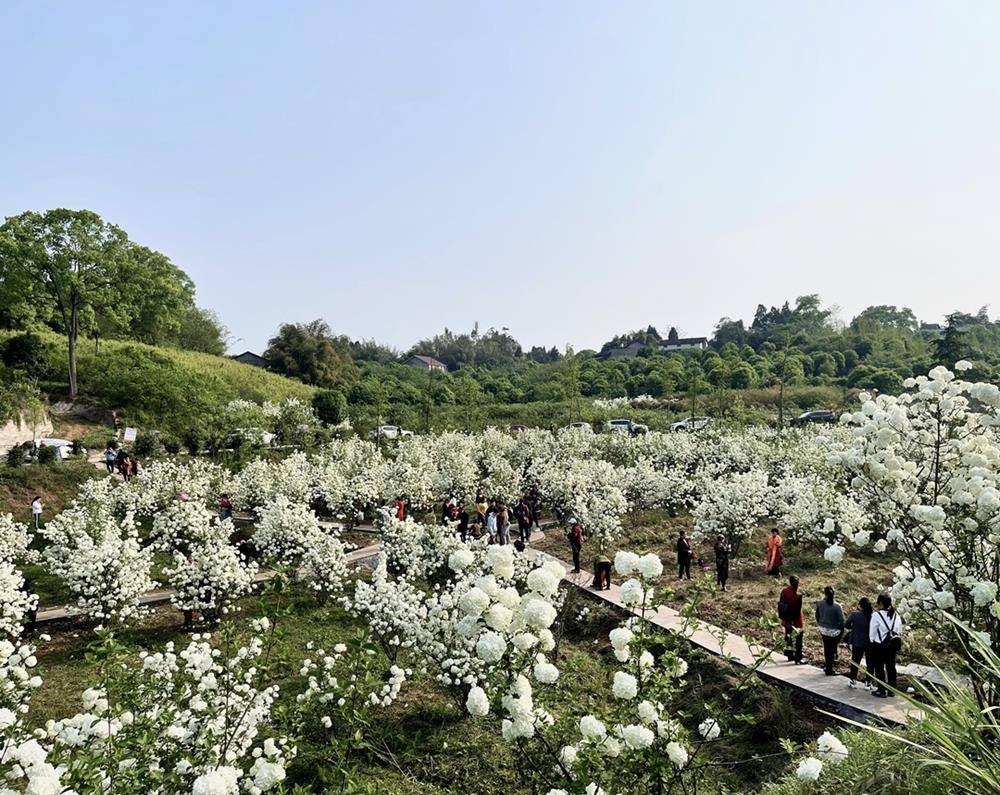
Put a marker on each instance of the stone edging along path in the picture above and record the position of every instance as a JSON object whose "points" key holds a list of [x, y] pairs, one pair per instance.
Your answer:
{"points": [[808, 680]]}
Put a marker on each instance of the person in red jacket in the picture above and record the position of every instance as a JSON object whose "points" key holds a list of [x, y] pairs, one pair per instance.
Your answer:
{"points": [[790, 614], [575, 536], [400, 509]]}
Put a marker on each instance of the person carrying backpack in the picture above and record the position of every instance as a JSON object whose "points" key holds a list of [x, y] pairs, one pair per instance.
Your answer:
{"points": [[886, 637], [790, 615], [858, 626]]}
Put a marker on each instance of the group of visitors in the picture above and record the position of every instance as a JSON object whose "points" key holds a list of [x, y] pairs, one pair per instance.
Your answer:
{"points": [[872, 634], [117, 459], [686, 554]]}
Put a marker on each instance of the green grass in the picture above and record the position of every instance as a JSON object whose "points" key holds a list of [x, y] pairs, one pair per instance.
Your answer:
{"points": [[235, 378], [426, 742]]}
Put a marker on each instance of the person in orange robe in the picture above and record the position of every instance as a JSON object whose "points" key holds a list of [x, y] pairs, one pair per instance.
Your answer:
{"points": [[773, 558]]}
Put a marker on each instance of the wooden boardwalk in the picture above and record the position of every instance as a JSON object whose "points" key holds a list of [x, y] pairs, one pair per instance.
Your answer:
{"points": [[831, 691]]}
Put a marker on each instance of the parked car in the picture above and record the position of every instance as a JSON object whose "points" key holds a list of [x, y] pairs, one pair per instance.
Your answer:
{"points": [[389, 432], [627, 426], [64, 448], [814, 416], [691, 424], [576, 425], [516, 428], [255, 437]]}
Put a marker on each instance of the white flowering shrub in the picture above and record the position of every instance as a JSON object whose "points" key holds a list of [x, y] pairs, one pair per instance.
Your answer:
{"points": [[210, 576], [733, 507], [182, 720], [101, 560], [925, 465], [15, 601]]}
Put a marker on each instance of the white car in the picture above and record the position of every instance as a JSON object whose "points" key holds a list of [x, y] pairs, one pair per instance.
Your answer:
{"points": [[576, 425], [64, 448], [389, 432], [627, 426], [691, 424]]}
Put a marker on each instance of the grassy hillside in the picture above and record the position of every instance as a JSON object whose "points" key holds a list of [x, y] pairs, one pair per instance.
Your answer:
{"points": [[158, 387]]}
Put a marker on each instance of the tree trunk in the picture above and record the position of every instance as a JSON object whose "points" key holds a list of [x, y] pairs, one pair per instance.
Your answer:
{"points": [[781, 406], [73, 332]]}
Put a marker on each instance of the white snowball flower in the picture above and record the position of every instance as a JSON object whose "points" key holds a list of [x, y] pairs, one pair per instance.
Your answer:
{"points": [[834, 553], [461, 559], [637, 736], [983, 593], [709, 729], [546, 673], [677, 754], [477, 702], [221, 781], [809, 769], [591, 727], [624, 686], [626, 562], [490, 647], [830, 748], [620, 637], [650, 566]]}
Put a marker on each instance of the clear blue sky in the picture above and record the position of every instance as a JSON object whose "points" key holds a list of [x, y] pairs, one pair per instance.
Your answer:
{"points": [[566, 169]]}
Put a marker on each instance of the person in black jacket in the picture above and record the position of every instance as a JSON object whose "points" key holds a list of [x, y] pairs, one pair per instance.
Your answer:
{"points": [[858, 626], [683, 556], [722, 550]]}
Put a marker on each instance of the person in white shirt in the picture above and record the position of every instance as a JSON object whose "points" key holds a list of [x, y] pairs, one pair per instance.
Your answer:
{"points": [[36, 511], [885, 633]]}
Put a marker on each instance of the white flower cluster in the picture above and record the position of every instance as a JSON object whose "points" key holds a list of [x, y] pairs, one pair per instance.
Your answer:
{"points": [[925, 464]]}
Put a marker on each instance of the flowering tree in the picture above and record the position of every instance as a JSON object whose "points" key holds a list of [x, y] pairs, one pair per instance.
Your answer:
{"points": [[925, 464]]}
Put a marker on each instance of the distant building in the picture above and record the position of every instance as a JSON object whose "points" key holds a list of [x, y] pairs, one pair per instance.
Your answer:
{"points": [[628, 352], [253, 359], [932, 328], [426, 363], [684, 344]]}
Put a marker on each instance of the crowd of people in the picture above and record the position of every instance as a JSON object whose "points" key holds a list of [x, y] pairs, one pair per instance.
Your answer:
{"points": [[118, 459]]}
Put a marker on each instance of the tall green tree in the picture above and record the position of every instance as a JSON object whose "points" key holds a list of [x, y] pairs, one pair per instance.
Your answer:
{"points": [[951, 347], [310, 352], [70, 258]]}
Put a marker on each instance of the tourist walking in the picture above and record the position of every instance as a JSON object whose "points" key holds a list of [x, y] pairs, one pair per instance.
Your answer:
{"points": [[491, 526], [481, 508], [858, 626], [790, 615], [830, 619], [126, 467], [722, 550], [120, 459], [36, 511], [503, 524], [774, 557], [400, 506], [225, 508], [683, 556], [535, 503], [463, 524], [886, 636], [575, 536], [110, 457], [522, 513]]}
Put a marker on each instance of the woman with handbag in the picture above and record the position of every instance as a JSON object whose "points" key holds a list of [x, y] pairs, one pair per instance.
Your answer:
{"points": [[886, 635]]}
